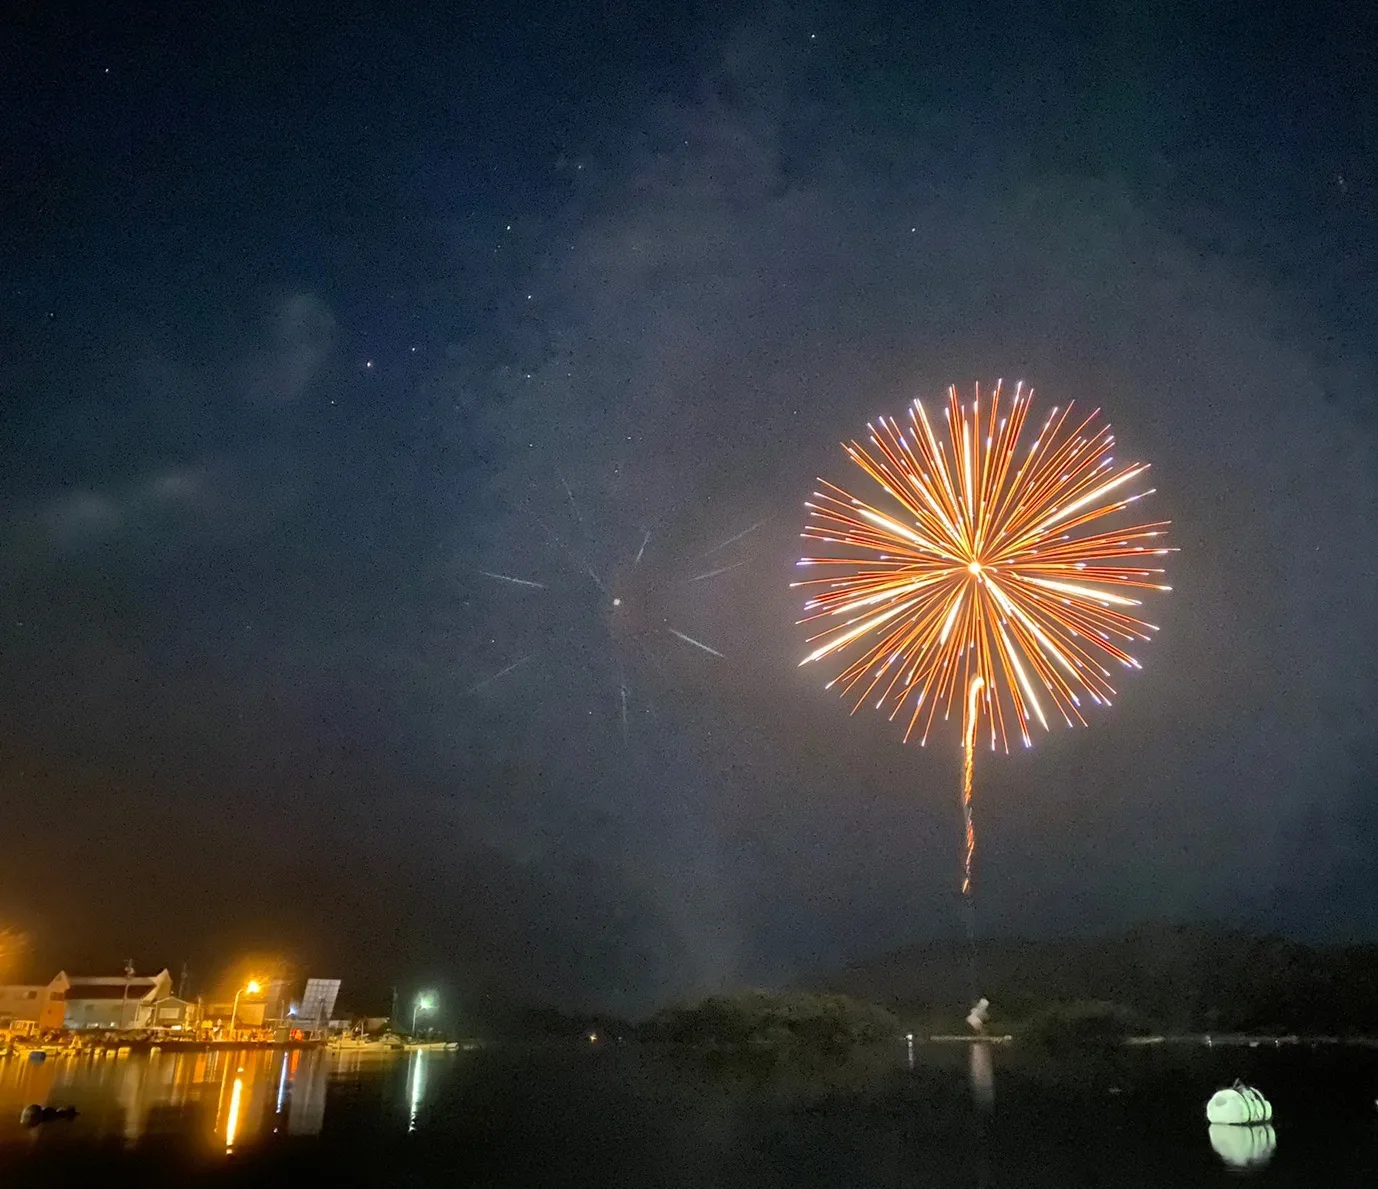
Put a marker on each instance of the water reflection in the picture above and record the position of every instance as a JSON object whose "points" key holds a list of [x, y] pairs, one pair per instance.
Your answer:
{"points": [[247, 1081], [416, 1086], [306, 1106], [282, 1086], [233, 1097], [982, 1075], [1243, 1147], [232, 1119], [581, 1119]]}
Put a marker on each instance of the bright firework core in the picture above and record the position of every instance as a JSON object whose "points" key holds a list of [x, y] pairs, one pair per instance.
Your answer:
{"points": [[633, 605], [975, 564]]}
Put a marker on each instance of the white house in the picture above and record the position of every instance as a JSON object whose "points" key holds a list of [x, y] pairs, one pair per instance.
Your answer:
{"points": [[114, 1003]]}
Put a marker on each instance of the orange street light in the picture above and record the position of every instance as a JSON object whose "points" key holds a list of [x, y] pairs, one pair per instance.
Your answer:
{"points": [[253, 988]]}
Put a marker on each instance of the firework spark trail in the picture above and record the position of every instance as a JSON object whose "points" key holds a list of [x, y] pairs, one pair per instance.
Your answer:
{"points": [[573, 503], [514, 581], [968, 771], [478, 685], [714, 573], [622, 689], [978, 572], [691, 640], [746, 532]]}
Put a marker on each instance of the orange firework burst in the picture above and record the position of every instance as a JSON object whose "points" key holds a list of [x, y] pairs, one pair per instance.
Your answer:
{"points": [[979, 580]]}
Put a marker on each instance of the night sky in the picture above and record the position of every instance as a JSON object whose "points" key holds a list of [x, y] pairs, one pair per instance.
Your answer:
{"points": [[311, 314]]}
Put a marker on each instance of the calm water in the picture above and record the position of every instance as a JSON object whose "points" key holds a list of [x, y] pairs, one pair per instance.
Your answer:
{"points": [[622, 1116]]}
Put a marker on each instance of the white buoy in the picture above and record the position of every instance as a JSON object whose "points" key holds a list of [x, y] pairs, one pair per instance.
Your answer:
{"points": [[1238, 1106]]}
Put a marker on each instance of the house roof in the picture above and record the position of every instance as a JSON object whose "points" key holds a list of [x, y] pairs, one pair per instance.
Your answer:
{"points": [[110, 988], [35, 982]]}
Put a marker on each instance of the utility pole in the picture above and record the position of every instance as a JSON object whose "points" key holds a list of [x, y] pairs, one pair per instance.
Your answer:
{"points": [[392, 1016], [124, 996], [182, 983]]}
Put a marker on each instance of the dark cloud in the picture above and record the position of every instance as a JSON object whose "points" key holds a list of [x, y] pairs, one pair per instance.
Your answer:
{"points": [[300, 338], [81, 518]]}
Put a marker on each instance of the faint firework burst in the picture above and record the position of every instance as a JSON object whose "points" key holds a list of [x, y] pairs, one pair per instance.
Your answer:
{"points": [[981, 581], [621, 604]]}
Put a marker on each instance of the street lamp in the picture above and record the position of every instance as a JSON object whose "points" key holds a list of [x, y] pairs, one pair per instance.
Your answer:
{"points": [[124, 996], [423, 1002], [253, 988]]}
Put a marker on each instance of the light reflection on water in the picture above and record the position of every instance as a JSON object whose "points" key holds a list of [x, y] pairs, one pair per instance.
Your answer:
{"points": [[982, 1075], [569, 1116], [416, 1086], [233, 1097]]}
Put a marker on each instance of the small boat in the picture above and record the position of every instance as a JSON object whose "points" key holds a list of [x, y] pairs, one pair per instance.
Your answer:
{"points": [[431, 1046], [387, 1043]]}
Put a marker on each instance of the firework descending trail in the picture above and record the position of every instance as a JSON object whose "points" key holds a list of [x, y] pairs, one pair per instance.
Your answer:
{"points": [[968, 772], [978, 582]]}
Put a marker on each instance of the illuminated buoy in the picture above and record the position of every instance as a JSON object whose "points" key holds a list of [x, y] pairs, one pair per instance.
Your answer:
{"points": [[1238, 1106]]}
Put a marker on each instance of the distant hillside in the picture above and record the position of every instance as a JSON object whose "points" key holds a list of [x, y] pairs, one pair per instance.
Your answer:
{"points": [[1180, 978], [754, 1020]]}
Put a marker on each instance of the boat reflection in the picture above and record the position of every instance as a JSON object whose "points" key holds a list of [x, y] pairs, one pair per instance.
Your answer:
{"points": [[235, 1097], [982, 1075], [306, 1105]]}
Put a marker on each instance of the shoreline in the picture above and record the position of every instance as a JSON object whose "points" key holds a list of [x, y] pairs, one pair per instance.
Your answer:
{"points": [[1203, 1039], [144, 1046]]}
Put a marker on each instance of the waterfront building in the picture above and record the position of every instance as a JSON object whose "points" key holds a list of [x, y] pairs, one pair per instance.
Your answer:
{"points": [[31, 1008], [113, 1003]]}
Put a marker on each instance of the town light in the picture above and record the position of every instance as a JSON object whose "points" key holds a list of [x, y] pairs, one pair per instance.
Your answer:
{"points": [[424, 1002], [253, 988]]}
